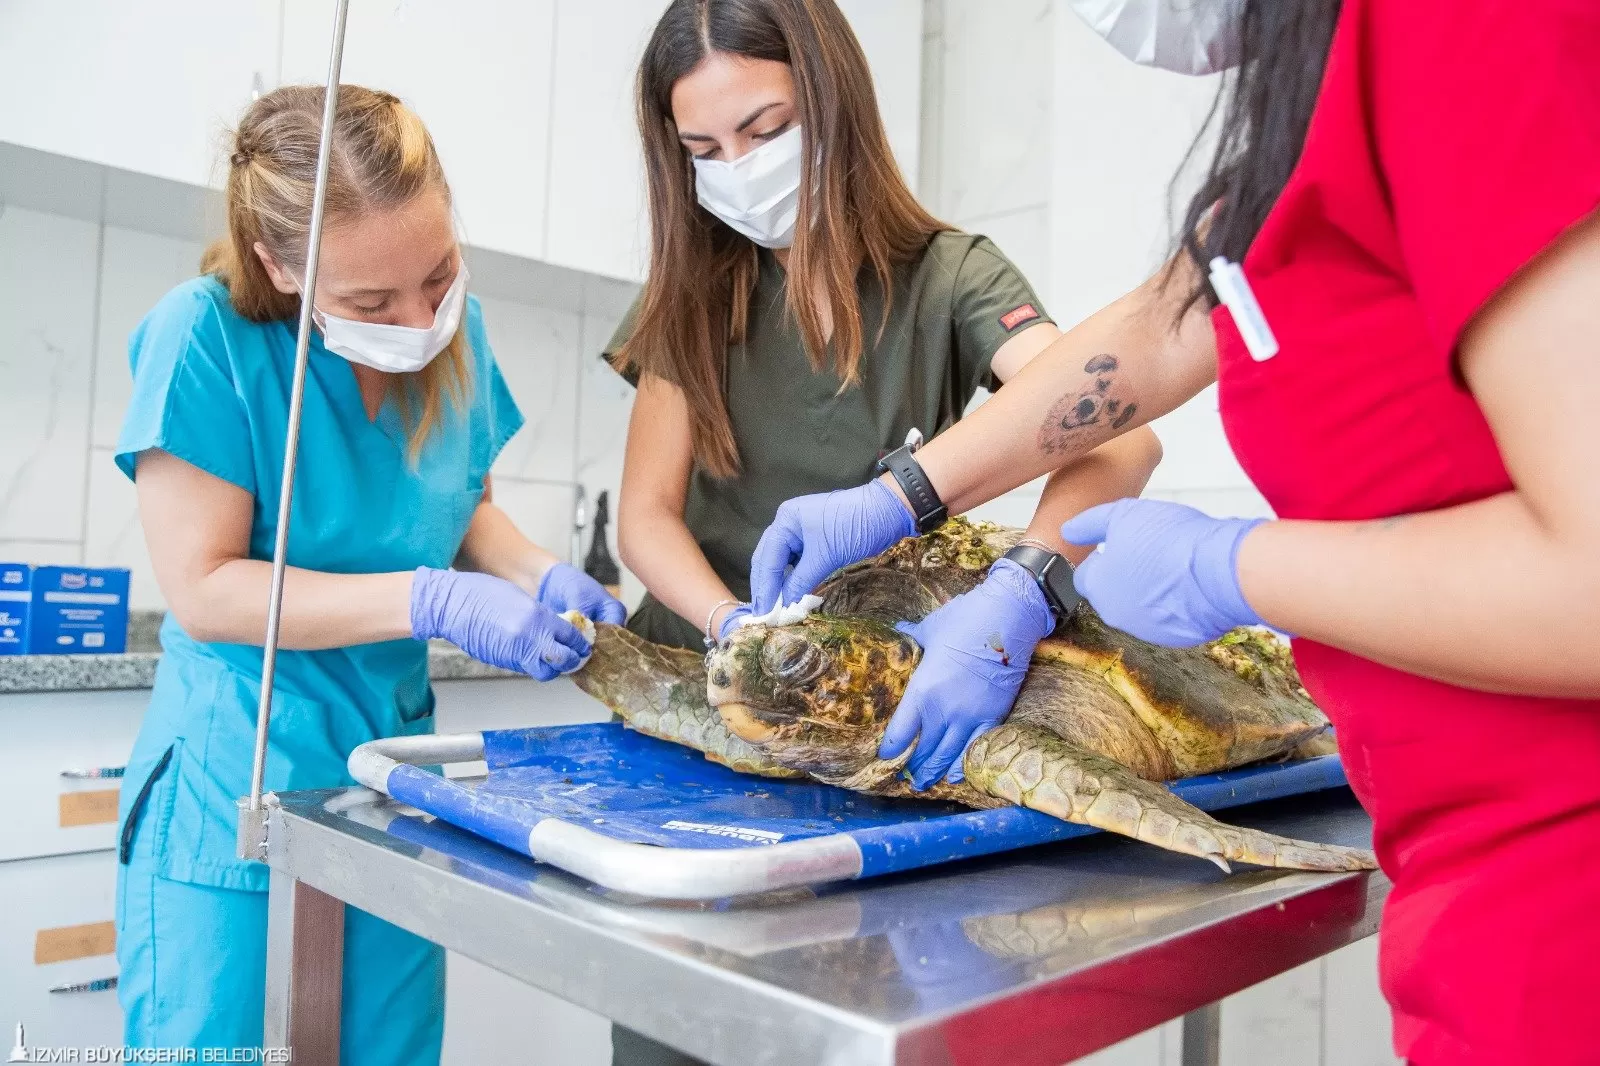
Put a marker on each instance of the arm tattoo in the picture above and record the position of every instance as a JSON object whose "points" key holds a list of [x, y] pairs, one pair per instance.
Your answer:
{"points": [[1091, 405]]}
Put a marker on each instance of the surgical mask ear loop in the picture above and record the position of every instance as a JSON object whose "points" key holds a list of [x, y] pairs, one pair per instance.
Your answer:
{"points": [[252, 838]]}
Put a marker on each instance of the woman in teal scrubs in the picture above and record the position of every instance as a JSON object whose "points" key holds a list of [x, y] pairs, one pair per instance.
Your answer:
{"points": [[404, 412]]}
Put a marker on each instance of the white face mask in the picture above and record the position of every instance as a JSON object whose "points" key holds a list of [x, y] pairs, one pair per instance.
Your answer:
{"points": [[757, 194], [1184, 36], [397, 349]]}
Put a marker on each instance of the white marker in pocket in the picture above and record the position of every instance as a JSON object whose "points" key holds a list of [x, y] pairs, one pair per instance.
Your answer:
{"points": [[1233, 289]]}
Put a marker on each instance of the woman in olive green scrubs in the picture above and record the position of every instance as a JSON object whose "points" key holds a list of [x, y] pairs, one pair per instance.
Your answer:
{"points": [[774, 360]]}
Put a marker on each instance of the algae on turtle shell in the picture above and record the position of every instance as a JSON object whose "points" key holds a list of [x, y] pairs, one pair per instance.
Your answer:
{"points": [[1102, 718]]}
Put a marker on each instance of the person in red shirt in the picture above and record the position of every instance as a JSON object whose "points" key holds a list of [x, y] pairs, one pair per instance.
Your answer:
{"points": [[1410, 373]]}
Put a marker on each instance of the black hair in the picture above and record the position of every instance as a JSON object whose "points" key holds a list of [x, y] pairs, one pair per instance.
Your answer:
{"points": [[1266, 103]]}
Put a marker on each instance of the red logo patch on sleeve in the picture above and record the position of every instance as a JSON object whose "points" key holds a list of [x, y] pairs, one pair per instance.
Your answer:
{"points": [[1017, 316]]}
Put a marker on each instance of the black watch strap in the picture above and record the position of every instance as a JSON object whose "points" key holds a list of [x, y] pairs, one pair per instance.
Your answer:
{"points": [[1054, 575], [929, 510]]}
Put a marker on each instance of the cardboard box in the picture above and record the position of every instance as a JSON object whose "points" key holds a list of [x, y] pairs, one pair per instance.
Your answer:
{"points": [[78, 610], [16, 597]]}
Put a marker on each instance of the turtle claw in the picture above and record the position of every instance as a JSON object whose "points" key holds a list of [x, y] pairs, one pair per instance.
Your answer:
{"points": [[1033, 767]]}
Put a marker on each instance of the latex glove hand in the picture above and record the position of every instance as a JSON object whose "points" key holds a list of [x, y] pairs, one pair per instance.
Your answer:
{"points": [[1166, 573], [975, 651], [820, 533], [566, 588], [730, 621], [495, 622]]}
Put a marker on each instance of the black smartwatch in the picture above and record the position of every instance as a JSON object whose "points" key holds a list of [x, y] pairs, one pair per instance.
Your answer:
{"points": [[929, 510], [1054, 575]]}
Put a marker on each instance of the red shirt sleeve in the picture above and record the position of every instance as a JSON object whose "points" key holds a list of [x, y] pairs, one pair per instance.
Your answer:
{"points": [[1486, 123]]}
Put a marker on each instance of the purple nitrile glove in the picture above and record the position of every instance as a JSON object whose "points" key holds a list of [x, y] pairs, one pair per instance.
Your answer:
{"points": [[731, 619], [495, 622], [975, 652], [566, 588], [820, 533], [1164, 572]]}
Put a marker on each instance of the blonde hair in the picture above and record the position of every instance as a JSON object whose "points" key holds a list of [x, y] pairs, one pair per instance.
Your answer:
{"points": [[382, 158]]}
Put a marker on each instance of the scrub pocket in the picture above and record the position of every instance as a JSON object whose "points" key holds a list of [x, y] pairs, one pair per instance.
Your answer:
{"points": [[195, 837], [413, 723]]}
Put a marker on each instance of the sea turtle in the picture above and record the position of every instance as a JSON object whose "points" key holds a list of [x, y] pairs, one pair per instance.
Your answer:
{"points": [[1102, 719]]}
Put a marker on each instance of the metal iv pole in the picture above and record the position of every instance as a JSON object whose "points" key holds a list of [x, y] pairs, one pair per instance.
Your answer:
{"points": [[252, 840]]}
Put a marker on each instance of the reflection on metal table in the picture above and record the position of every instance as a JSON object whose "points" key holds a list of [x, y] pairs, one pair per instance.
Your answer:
{"points": [[1035, 956]]}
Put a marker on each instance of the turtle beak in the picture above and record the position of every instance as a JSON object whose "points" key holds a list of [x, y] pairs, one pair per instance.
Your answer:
{"points": [[743, 724], [720, 674], [736, 714], [717, 679]]}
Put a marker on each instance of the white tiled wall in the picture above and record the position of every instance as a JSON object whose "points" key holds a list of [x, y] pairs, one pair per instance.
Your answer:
{"points": [[136, 270], [986, 124], [604, 400], [986, 146], [71, 291], [48, 271], [546, 389]]}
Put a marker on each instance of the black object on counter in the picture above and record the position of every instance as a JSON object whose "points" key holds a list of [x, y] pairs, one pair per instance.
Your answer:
{"points": [[598, 564]]}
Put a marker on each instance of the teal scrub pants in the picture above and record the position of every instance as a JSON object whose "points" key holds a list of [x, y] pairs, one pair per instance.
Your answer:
{"points": [[193, 962]]}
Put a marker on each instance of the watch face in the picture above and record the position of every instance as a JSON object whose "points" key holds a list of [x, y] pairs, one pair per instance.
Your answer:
{"points": [[1059, 587], [1054, 575]]}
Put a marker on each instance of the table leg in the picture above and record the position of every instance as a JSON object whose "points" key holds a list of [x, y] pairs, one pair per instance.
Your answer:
{"points": [[305, 971], [1202, 1036]]}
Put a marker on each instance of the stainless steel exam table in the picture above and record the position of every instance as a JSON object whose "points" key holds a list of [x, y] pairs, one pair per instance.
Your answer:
{"points": [[1034, 956]]}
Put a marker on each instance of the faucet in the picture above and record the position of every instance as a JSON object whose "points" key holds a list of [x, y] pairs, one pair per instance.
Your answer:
{"points": [[580, 521]]}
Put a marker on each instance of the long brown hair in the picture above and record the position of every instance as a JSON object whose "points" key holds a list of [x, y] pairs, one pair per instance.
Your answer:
{"points": [[1265, 103], [382, 158], [696, 300]]}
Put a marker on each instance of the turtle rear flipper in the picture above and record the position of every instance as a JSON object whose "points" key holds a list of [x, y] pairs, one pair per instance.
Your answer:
{"points": [[1033, 767]]}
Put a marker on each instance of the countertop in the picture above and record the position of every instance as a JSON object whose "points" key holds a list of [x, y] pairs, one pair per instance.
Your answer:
{"points": [[136, 668]]}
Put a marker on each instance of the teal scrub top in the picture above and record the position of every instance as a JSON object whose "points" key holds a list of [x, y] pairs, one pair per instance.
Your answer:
{"points": [[212, 388]]}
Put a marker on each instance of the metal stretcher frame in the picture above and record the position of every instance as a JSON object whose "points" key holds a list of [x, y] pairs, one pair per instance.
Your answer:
{"points": [[857, 849], [391, 766]]}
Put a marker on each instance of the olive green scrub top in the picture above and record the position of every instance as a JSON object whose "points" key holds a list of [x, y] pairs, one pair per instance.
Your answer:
{"points": [[797, 433]]}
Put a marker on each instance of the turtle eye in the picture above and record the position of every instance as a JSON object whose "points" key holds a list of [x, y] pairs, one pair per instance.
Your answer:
{"points": [[792, 659]]}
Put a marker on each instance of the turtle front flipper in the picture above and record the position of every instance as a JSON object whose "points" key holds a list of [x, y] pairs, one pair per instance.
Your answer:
{"points": [[1034, 768]]}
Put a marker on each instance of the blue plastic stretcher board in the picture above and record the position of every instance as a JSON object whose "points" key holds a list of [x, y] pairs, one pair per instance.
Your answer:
{"points": [[640, 790]]}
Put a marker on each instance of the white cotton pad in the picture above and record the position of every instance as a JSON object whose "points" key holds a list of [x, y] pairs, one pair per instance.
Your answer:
{"points": [[581, 622], [784, 614]]}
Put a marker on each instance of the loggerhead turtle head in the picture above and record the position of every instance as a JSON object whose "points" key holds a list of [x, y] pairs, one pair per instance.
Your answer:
{"points": [[821, 685]]}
